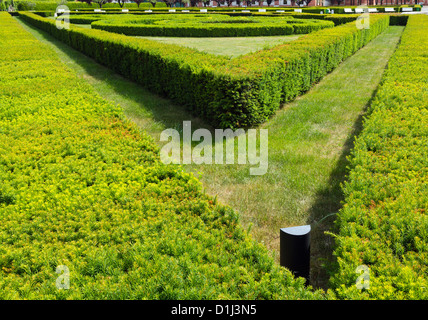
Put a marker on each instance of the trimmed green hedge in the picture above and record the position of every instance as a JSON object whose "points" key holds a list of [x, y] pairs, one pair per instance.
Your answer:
{"points": [[206, 25], [83, 187], [73, 5], [161, 6], [236, 93], [384, 222], [338, 19], [341, 9]]}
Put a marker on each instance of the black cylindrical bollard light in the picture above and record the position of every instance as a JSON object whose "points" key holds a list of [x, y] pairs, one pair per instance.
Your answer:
{"points": [[295, 246]]}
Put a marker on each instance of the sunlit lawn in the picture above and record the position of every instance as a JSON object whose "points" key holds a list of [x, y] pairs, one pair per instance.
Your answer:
{"points": [[228, 46], [308, 139]]}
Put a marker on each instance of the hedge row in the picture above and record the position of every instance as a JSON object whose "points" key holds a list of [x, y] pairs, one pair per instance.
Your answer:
{"points": [[228, 93], [384, 222], [162, 7], [338, 19], [86, 17], [73, 5], [208, 26], [83, 187], [341, 9], [83, 18]]}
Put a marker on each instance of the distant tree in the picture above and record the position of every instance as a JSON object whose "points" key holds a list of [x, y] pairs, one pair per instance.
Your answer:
{"points": [[220, 2], [101, 2], [269, 2], [238, 2], [121, 2], [169, 3], [206, 2], [194, 3], [229, 2], [138, 2], [153, 2]]}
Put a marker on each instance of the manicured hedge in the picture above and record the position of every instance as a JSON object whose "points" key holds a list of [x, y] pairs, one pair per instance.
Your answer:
{"points": [[83, 187], [384, 222], [338, 19], [341, 9], [73, 5], [398, 19], [235, 93], [207, 25], [87, 17], [161, 7], [84, 18]]}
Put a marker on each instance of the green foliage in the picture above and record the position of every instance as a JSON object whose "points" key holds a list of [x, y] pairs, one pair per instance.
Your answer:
{"points": [[384, 221], [73, 5], [398, 19], [83, 187], [235, 93], [161, 6], [204, 25], [341, 9]]}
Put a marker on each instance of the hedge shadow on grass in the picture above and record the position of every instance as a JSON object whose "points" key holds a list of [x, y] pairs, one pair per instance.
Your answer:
{"points": [[328, 202]]}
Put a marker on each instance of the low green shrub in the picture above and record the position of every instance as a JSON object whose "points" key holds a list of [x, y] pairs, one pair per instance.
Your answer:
{"points": [[84, 18], [37, 5], [207, 25], [84, 188], [45, 13], [398, 19], [384, 221], [341, 9], [228, 93], [338, 19]]}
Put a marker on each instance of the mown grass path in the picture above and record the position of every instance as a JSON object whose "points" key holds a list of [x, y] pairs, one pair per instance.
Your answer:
{"points": [[309, 140], [228, 46]]}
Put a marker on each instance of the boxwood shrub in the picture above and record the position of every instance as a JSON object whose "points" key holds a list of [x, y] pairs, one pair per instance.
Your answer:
{"points": [[384, 221], [82, 187], [73, 5], [208, 25]]}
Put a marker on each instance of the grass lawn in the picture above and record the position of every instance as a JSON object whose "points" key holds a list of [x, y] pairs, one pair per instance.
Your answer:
{"points": [[309, 139], [228, 46], [87, 26]]}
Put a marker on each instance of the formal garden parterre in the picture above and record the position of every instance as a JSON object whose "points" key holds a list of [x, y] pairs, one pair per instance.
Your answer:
{"points": [[83, 187], [210, 26], [244, 91]]}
